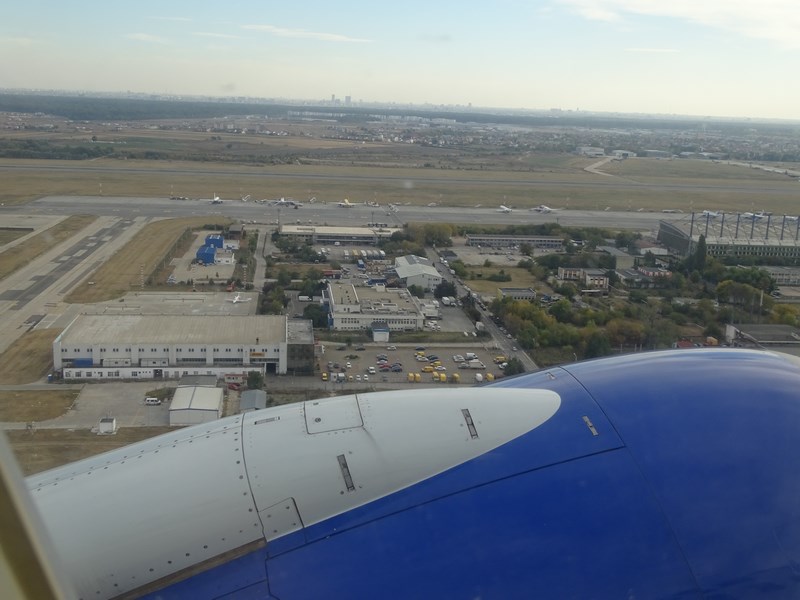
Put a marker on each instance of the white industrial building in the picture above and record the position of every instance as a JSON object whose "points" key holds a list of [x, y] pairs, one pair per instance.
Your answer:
{"points": [[415, 270], [193, 405], [357, 308], [323, 234], [171, 346]]}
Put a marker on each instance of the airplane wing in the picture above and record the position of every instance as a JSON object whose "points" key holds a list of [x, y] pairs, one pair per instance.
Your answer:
{"points": [[649, 475]]}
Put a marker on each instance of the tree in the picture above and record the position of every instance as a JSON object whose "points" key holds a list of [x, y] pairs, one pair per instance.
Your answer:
{"points": [[417, 290], [317, 314], [514, 367], [446, 288], [255, 380]]}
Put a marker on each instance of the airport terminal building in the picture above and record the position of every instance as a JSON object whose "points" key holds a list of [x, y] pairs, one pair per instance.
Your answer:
{"points": [[171, 346]]}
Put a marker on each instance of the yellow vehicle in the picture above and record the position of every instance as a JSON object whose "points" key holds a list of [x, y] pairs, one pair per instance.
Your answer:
{"points": [[436, 363], [417, 377], [489, 377], [325, 376], [500, 359], [427, 369], [442, 377], [350, 378], [455, 378], [410, 378]]}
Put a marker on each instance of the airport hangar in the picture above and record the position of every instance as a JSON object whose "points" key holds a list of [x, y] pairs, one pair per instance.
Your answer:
{"points": [[171, 346], [735, 235]]}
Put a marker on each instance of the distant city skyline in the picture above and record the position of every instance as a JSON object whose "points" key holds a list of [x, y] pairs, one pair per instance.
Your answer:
{"points": [[710, 58]]}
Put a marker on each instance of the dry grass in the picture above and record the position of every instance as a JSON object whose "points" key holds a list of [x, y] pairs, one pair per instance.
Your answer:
{"points": [[8, 235], [49, 448], [144, 253], [519, 277], [24, 406], [17, 257], [29, 358]]}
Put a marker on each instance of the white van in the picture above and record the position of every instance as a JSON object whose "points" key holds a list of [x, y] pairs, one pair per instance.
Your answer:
{"points": [[151, 401]]}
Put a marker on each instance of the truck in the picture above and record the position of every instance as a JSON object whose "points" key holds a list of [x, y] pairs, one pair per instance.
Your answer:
{"points": [[475, 364], [471, 356], [304, 298], [445, 301], [341, 377]]}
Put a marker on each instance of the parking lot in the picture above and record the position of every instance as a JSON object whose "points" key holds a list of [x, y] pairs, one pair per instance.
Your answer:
{"points": [[361, 358]]}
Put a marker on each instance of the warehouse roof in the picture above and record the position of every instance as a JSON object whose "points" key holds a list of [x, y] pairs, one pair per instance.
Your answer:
{"points": [[171, 329], [197, 398]]}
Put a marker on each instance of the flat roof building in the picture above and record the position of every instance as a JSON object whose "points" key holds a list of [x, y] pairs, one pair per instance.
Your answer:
{"points": [[542, 242], [357, 308], [314, 234], [171, 346]]}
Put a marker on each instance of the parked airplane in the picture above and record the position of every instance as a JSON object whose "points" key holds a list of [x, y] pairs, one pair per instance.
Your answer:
{"points": [[345, 203], [238, 298], [788, 218], [543, 209], [600, 479], [215, 200], [504, 209], [284, 202], [711, 214], [753, 216]]}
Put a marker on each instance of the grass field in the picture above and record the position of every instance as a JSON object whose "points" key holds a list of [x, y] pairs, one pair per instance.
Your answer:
{"points": [[49, 448], [17, 257], [9, 235], [24, 406], [560, 182], [123, 272], [519, 277], [29, 358]]}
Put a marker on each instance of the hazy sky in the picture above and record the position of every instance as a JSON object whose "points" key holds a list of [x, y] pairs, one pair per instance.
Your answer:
{"points": [[700, 57]]}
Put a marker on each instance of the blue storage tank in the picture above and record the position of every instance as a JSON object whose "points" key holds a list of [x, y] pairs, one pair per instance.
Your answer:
{"points": [[215, 240], [206, 255], [82, 362]]}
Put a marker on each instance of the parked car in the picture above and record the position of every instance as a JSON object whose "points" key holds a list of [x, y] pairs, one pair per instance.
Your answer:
{"points": [[348, 365], [420, 348], [391, 347], [360, 348], [397, 369], [358, 377]]}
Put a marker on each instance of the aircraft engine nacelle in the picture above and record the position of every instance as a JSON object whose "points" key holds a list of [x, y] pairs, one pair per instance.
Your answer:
{"points": [[652, 475]]}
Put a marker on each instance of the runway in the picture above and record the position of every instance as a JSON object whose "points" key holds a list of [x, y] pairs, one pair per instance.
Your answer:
{"points": [[332, 214]]}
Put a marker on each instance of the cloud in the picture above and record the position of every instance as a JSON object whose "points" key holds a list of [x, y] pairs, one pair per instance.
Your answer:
{"points": [[224, 36], [303, 33], [435, 38], [775, 20], [146, 37], [653, 50], [182, 19], [18, 41]]}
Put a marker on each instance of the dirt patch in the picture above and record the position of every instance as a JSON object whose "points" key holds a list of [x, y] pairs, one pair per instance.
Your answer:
{"points": [[44, 449], [29, 358], [18, 406]]}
